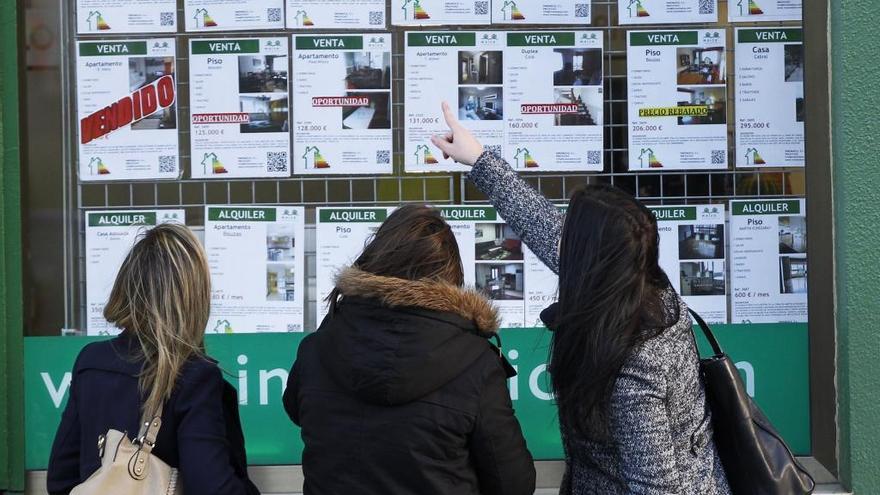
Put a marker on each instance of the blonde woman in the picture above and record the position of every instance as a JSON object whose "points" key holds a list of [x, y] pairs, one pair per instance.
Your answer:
{"points": [[161, 300]]}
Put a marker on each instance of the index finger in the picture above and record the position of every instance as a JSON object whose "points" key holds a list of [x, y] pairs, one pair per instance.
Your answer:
{"points": [[451, 119]]}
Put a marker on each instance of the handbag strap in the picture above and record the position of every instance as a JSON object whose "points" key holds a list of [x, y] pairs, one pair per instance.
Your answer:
{"points": [[138, 465], [707, 332]]}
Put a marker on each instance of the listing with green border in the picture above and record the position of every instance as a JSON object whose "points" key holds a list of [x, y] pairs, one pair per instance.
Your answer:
{"points": [[764, 10], [111, 17], [667, 11], [436, 12], [530, 12], [336, 14], [230, 15]]}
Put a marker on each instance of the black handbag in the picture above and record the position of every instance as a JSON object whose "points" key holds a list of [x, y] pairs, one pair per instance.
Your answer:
{"points": [[755, 458]]}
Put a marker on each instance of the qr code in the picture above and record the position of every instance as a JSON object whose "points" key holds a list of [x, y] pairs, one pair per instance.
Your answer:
{"points": [[166, 19], [707, 7], [495, 149], [276, 161], [582, 10], [481, 7], [273, 15], [594, 157], [719, 157], [167, 164], [377, 18], [383, 157]]}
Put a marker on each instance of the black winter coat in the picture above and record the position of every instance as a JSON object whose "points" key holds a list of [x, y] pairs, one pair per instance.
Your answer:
{"points": [[399, 392]]}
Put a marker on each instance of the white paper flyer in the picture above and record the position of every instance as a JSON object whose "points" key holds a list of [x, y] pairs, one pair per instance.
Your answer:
{"points": [[121, 16], [336, 14], [764, 10], [667, 11], [230, 15], [436, 12], [527, 12]]}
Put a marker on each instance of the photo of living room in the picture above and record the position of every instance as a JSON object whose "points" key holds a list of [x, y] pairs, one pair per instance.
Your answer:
{"points": [[280, 282], [143, 71], [496, 242], [794, 63], [701, 242], [376, 115], [262, 74], [280, 241], [792, 235], [578, 67], [483, 67], [701, 65], [702, 278], [501, 282], [480, 103], [792, 275], [266, 113], [367, 70], [713, 99], [589, 102]]}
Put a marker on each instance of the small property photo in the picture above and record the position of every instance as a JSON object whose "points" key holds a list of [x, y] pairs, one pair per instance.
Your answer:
{"points": [[793, 235], [578, 67], [792, 275], [794, 63], [481, 67], [480, 103], [374, 115], [368, 70], [701, 242], [501, 282], [280, 282], [496, 242], [262, 74], [266, 113], [280, 241], [143, 71], [701, 65], [799, 104], [589, 106], [702, 278], [711, 101]]}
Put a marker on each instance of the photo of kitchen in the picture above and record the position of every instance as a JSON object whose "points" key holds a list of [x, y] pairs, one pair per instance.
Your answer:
{"points": [[793, 235], [266, 113], [375, 115], [280, 241], [483, 67], [262, 74], [589, 102], [143, 71], [702, 278], [367, 70], [700, 242], [496, 242], [792, 275], [578, 67], [501, 282], [480, 103], [713, 99], [701, 65], [280, 282]]}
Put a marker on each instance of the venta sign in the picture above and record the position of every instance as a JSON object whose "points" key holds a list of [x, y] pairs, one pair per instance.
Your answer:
{"points": [[129, 109]]}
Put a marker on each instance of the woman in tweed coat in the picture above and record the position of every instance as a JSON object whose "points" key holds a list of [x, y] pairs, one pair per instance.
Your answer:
{"points": [[624, 365]]}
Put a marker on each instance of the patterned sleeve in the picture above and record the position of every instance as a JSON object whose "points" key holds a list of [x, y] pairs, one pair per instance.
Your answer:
{"points": [[537, 222]]}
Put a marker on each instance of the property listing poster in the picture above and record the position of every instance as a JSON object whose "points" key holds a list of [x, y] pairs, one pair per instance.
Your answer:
{"points": [[239, 108], [769, 97], [768, 253], [126, 103], [336, 14], [677, 94], [553, 100], [229, 15], [435, 12], [342, 104], [667, 11], [464, 69], [125, 16], [692, 254], [541, 12], [257, 261], [764, 10], [109, 237], [341, 234]]}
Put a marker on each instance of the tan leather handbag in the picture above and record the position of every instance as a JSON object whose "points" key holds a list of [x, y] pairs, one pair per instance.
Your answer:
{"points": [[127, 466]]}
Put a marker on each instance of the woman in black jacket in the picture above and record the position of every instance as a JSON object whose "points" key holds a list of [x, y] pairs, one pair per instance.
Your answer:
{"points": [[399, 391]]}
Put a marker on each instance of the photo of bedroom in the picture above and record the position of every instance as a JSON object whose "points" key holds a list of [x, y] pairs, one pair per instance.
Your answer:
{"points": [[792, 275], [496, 242], [702, 65], [262, 74], [700, 242], [280, 241], [578, 67], [501, 282], [280, 282], [589, 103], [376, 115], [367, 70], [702, 278], [480, 103], [712, 100], [480, 67], [792, 235], [794, 63], [143, 71], [266, 113]]}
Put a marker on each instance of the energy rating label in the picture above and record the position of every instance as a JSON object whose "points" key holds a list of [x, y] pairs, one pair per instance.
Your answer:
{"points": [[541, 12], [692, 254], [764, 10], [667, 11], [229, 15], [257, 261], [434, 12], [342, 104], [110, 235], [768, 253], [464, 69], [239, 108], [121, 16], [677, 94], [336, 14], [126, 103], [553, 100], [769, 97]]}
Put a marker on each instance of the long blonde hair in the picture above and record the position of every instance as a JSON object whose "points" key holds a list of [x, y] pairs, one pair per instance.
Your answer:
{"points": [[162, 295]]}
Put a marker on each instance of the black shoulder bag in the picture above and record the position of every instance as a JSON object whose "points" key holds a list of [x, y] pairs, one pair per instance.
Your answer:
{"points": [[756, 459]]}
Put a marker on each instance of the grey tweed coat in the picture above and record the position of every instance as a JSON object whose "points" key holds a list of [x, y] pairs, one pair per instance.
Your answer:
{"points": [[661, 431]]}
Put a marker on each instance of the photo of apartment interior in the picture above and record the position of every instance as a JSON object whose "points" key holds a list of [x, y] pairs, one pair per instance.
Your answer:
{"points": [[713, 99], [280, 282], [792, 275], [794, 63], [480, 103], [701, 242], [368, 70], [280, 241], [267, 113], [262, 74], [589, 109], [792, 235], [578, 67], [501, 282], [143, 71], [480, 67], [701, 65], [375, 115], [496, 242], [702, 278]]}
